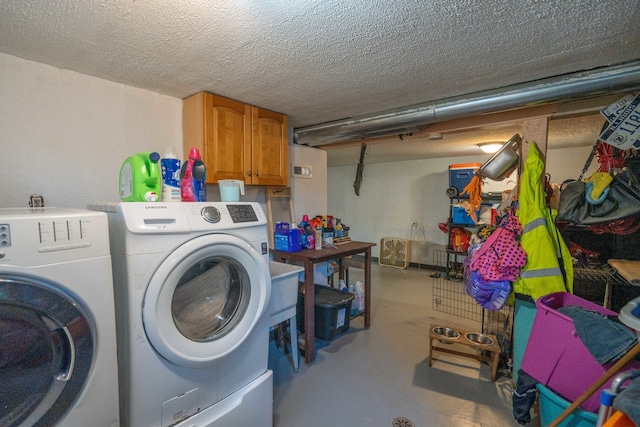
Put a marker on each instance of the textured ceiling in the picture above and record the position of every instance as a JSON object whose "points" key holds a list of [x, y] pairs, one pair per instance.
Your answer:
{"points": [[319, 61]]}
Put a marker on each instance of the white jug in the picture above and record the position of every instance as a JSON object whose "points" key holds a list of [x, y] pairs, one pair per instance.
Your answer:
{"points": [[231, 189]]}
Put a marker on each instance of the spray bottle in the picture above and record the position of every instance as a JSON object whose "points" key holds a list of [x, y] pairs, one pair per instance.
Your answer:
{"points": [[193, 187], [170, 167]]}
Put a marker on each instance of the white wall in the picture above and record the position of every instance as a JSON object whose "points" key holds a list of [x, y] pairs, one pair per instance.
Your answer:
{"points": [[64, 135], [309, 194], [407, 199]]}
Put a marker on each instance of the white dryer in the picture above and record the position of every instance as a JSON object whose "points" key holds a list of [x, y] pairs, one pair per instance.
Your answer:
{"points": [[192, 288], [57, 323]]}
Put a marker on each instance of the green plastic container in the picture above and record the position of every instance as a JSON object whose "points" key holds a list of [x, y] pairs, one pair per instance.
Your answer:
{"points": [[140, 179]]}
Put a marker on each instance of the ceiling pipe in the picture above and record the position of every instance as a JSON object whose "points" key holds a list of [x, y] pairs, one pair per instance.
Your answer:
{"points": [[597, 82]]}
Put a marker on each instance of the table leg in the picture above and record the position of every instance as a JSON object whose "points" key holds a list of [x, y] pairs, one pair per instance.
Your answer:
{"points": [[367, 288], [430, 351], [309, 314], [495, 359]]}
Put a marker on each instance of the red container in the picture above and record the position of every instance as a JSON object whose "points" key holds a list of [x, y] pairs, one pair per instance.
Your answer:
{"points": [[555, 355]]}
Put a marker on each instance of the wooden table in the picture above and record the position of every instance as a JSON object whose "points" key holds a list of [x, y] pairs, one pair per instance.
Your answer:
{"points": [[309, 257]]}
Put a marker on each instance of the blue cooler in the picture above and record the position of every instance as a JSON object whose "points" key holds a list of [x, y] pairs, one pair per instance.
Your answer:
{"points": [[460, 175]]}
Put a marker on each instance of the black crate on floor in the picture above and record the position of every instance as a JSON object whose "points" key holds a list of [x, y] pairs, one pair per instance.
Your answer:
{"points": [[332, 312]]}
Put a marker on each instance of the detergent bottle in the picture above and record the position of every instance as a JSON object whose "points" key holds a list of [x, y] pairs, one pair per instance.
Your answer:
{"points": [[193, 187], [170, 167], [140, 178]]}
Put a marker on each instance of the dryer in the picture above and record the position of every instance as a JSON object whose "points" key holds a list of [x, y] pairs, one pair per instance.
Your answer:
{"points": [[57, 323], [192, 287]]}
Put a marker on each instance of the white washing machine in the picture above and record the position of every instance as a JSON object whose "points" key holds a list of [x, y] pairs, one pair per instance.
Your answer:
{"points": [[192, 287], [57, 324]]}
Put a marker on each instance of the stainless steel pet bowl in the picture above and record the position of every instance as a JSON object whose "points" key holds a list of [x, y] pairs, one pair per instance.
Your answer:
{"points": [[477, 338], [446, 333]]}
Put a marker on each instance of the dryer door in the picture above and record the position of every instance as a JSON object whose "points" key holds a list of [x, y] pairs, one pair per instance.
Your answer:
{"points": [[205, 299], [46, 351]]}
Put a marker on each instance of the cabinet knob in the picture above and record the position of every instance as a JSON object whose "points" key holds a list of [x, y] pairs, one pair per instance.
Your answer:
{"points": [[257, 173], [249, 173]]}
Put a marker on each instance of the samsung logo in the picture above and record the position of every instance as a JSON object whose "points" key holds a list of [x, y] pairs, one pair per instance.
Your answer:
{"points": [[155, 207]]}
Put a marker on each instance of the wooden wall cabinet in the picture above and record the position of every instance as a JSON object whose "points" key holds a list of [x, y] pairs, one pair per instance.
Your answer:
{"points": [[236, 140]]}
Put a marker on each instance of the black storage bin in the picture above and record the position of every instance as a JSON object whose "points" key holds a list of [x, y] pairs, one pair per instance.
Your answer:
{"points": [[332, 312]]}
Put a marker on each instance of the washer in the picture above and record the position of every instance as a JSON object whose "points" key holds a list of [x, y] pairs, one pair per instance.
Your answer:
{"points": [[192, 288], [57, 324]]}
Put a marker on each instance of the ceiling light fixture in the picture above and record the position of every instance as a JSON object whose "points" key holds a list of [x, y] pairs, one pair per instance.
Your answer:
{"points": [[490, 147]]}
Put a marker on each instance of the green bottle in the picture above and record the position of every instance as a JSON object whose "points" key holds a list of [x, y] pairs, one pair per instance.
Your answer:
{"points": [[140, 178]]}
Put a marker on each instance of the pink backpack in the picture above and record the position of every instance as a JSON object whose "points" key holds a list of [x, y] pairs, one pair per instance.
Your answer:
{"points": [[500, 257]]}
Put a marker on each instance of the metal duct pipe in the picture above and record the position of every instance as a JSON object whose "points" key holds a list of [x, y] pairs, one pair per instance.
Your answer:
{"points": [[598, 82]]}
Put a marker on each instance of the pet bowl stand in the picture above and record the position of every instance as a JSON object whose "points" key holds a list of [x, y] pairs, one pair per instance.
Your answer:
{"points": [[493, 349]]}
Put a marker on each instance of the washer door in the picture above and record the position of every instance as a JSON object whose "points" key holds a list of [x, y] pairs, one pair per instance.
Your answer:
{"points": [[46, 351], [205, 299]]}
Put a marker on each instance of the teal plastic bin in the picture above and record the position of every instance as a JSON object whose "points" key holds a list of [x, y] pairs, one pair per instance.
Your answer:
{"points": [[524, 315], [552, 405]]}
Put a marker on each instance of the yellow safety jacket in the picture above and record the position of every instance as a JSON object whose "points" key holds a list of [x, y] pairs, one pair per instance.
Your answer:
{"points": [[549, 267]]}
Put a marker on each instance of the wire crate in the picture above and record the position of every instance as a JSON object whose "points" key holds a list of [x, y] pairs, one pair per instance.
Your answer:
{"points": [[450, 296]]}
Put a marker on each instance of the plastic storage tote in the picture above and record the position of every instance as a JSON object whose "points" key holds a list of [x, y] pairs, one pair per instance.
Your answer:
{"points": [[459, 216], [630, 315], [555, 355], [332, 312], [552, 405]]}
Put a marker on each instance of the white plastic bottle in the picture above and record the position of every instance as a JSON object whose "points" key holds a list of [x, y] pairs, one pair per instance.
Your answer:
{"points": [[170, 169], [354, 301], [359, 296]]}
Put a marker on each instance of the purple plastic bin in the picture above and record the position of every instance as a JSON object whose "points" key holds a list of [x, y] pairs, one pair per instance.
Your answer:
{"points": [[555, 355]]}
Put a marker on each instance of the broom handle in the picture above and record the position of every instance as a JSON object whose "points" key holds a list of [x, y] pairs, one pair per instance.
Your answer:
{"points": [[595, 386]]}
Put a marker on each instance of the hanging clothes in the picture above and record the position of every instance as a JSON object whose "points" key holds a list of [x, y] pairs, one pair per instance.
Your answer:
{"points": [[549, 267]]}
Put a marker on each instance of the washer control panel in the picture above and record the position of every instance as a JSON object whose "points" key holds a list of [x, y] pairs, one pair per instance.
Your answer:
{"points": [[59, 234], [242, 213], [238, 213]]}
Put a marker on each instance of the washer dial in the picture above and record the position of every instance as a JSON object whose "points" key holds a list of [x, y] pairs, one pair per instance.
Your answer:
{"points": [[210, 214]]}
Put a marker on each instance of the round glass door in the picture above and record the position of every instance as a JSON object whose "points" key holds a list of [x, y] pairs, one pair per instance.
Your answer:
{"points": [[205, 299], [46, 352], [210, 298]]}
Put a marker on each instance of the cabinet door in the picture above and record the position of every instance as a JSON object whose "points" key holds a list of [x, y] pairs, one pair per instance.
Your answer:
{"points": [[228, 139], [269, 147], [221, 129]]}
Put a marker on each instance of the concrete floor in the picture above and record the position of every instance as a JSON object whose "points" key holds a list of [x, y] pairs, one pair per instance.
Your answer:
{"points": [[371, 377]]}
